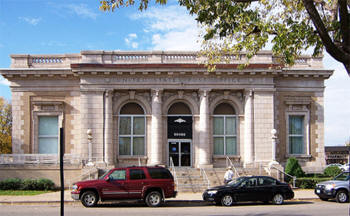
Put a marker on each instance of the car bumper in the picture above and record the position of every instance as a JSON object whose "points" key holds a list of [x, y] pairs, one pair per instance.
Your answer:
{"points": [[322, 193], [75, 196], [208, 197]]}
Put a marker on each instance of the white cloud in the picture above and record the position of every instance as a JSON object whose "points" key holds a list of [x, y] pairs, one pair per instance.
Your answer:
{"points": [[130, 41], [170, 28], [81, 10], [4, 81], [30, 20], [53, 44], [337, 103]]}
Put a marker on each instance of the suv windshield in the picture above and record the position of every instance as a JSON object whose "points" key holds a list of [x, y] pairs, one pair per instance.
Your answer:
{"points": [[343, 176]]}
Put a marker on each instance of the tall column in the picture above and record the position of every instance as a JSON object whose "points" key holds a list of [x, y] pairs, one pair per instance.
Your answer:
{"points": [[156, 131], [248, 127], [204, 148], [108, 128]]}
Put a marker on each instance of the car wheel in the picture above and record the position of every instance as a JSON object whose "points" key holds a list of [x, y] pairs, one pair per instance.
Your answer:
{"points": [[277, 199], [342, 196], [89, 199], [153, 199], [227, 200]]}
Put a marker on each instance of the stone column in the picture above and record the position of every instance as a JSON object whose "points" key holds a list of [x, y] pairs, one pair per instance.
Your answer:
{"points": [[156, 131], [204, 148], [108, 128], [248, 127]]}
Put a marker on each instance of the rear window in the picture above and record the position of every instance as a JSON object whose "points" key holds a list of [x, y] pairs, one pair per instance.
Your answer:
{"points": [[159, 173]]}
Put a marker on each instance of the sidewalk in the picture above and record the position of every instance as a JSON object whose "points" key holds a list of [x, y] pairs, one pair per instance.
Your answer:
{"points": [[54, 197]]}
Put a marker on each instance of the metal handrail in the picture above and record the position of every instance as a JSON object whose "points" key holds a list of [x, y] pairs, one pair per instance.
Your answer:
{"points": [[139, 159], [205, 177], [172, 167], [88, 172], [228, 161], [293, 177]]}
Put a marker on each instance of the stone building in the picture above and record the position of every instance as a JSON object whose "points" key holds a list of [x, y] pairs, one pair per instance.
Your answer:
{"points": [[150, 107]]}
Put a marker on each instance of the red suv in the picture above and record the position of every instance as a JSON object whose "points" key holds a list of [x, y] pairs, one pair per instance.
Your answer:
{"points": [[152, 184]]}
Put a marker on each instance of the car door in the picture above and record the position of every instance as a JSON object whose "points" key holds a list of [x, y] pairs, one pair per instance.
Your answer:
{"points": [[267, 187], [135, 182], [247, 190], [115, 185]]}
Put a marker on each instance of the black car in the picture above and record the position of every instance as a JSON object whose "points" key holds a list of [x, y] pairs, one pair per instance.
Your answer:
{"points": [[252, 188]]}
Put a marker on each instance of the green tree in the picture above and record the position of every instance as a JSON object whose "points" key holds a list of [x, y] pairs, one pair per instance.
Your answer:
{"points": [[5, 126], [290, 27]]}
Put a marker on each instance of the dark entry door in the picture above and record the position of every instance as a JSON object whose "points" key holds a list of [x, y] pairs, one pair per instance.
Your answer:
{"points": [[180, 153]]}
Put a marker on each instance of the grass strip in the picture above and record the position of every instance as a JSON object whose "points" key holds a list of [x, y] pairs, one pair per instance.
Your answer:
{"points": [[21, 192]]}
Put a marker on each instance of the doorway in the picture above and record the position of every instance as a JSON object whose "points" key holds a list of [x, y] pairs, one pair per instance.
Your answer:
{"points": [[180, 152]]}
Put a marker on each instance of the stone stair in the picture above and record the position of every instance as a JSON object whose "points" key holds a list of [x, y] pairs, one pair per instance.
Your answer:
{"points": [[191, 180]]}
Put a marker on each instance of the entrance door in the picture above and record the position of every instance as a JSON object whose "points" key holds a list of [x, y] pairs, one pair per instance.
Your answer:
{"points": [[180, 152]]}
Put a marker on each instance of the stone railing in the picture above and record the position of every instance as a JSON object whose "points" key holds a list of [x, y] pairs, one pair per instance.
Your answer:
{"points": [[12, 159], [145, 57]]}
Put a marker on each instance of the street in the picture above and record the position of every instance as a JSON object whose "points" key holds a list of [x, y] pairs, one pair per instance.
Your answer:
{"points": [[300, 208]]}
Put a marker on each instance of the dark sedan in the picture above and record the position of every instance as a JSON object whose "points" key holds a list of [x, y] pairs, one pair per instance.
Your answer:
{"points": [[252, 188]]}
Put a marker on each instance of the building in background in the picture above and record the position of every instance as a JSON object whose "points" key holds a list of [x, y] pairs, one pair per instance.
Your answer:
{"points": [[337, 154], [161, 108]]}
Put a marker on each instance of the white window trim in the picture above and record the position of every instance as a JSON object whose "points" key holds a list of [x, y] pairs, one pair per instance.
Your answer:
{"points": [[306, 132], [224, 135], [132, 136]]}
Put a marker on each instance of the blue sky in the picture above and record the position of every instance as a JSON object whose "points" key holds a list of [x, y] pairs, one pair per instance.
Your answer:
{"points": [[69, 26]]}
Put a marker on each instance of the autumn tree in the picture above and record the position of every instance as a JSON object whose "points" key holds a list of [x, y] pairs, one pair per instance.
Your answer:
{"points": [[290, 27], [5, 126]]}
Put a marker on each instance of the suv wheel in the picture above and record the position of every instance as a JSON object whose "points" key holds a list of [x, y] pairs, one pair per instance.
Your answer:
{"points": [[153, 199], [89, 199], [342, 196], [227, 200], [277, 199]]}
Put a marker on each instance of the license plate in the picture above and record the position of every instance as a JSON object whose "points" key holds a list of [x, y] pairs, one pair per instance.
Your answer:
{"points": [[318, 191]]}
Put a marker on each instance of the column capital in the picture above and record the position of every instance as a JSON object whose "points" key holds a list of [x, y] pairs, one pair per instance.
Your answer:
{"points": [[109, 92], [204, 92]]}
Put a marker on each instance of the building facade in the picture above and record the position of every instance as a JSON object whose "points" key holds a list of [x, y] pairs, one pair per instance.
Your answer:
{"points": [[122, 108]]}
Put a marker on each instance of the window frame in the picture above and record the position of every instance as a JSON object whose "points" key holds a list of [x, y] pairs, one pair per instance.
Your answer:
{"points": [[306, 133], [131, 135], [235, 135]]}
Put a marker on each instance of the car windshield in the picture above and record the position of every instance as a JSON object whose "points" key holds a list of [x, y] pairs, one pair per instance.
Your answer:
{"points": [[236, 181], [343, 176]]}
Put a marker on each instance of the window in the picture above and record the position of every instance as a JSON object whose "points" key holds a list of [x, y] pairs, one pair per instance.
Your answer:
{"points": [[137, 174], [266, 181], [132, 130], [118, 175], [225, 130], [48, 134], [159, 173], [296, 134]]}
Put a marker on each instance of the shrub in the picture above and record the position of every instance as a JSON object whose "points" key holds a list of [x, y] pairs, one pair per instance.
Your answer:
{"points": [[293, 168], [309, 183], [11, 184], [27, 184], [45, 184], [332, 171]]}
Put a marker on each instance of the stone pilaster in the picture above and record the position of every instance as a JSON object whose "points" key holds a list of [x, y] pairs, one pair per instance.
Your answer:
{"points": [[204, 147], [156, 131], [108, 130], [248, 127]]}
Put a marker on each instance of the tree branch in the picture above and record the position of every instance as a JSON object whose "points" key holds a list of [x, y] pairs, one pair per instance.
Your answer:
{"points": [[335, 51], [344, 24]]}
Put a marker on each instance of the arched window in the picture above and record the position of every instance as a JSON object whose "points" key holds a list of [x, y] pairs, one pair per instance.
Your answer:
{"points": [[225, 130], [132, 130]]}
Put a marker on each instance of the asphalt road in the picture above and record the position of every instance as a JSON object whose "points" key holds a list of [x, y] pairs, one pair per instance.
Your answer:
{"points": [[290, 208]]}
